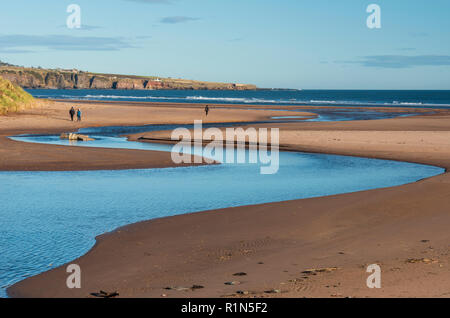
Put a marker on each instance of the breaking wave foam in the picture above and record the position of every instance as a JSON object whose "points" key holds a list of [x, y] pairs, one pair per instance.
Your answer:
{"points": [[236, 100]]}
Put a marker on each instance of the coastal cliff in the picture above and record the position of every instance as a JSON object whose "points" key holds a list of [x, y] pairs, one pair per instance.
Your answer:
{"points": [[75, 79]]}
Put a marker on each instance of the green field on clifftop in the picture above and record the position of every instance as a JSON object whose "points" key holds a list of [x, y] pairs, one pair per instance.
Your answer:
{"points": [[13, 98]]}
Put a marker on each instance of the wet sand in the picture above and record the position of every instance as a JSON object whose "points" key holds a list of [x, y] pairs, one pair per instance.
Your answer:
{"points": [[54, 118], [316, 247]]}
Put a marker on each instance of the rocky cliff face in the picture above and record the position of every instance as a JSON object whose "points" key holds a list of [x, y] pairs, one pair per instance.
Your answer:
{"points": [[73, 79]]}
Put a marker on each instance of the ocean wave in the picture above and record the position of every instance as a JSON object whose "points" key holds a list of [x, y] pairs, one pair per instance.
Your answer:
{"points": [[106, 97], [406, 103], [129, 97], [239, 100], [233, 99]]}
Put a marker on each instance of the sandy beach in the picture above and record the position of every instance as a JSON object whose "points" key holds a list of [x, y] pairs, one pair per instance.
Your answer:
{"points": [[317, 247], [54, 118]]}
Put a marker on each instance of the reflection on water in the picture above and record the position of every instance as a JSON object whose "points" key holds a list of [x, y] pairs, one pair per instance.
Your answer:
{"points": [[50, 218]]}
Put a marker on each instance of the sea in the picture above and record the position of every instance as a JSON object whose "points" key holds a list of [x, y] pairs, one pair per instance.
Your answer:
{"points": [[344, 98]]}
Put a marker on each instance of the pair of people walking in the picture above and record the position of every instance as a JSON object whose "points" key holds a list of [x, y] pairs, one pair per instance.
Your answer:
{"points": [[72, 114]]}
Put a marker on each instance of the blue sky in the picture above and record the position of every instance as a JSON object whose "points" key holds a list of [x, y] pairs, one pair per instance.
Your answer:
{"points": [[316, 44]]}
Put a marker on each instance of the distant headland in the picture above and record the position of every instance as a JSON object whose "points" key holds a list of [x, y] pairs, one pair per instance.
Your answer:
{"points": [[37, 77]]}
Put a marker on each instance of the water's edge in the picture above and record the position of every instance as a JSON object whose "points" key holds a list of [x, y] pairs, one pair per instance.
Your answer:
{"points": [[284, 150]]}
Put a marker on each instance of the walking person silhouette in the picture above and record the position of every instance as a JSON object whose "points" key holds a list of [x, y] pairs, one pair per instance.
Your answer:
{"points": [[72, 113]]}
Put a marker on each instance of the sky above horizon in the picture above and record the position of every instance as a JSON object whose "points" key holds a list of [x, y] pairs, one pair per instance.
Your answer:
{"points": [[275, 44]]}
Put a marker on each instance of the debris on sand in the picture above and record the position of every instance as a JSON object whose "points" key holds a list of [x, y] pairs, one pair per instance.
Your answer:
{"points": [[272, 291], [104, 294], [75, 137], [179, 288], [314, 271], [240, 274], [242, 292], [194, 287], [232, 283], [421, 260]]}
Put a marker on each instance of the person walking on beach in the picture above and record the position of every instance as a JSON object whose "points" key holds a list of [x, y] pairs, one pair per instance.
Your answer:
{"points": [[79, 114], [206, 110], [72, 113]]}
